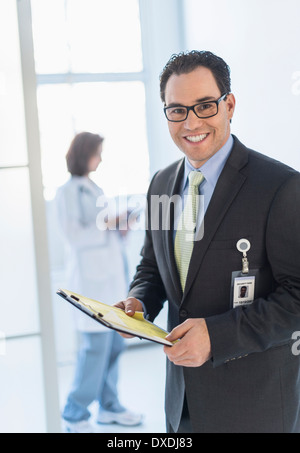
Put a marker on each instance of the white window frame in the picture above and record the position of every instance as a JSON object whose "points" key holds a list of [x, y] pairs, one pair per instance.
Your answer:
{"points": [[52, 409]]}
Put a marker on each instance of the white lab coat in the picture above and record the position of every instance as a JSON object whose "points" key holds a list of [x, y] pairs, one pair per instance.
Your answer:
{"points": [[95, 260]]}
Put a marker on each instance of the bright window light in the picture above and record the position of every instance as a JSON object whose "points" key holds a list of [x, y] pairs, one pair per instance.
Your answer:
{"points": [[95, 36], [113, 110], [77, 38]]}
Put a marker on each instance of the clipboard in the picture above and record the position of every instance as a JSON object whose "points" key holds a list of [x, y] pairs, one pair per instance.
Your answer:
{"points": [[116, 319]]}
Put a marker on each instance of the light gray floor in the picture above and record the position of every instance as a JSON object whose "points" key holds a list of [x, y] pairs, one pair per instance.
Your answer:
{"points": [[141, 387]]}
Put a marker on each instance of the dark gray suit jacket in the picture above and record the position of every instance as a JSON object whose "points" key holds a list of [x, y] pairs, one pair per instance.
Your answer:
{"points": [[252, 383]]}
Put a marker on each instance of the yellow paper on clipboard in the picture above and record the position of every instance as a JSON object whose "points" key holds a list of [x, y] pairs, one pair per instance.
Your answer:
{"points": [[116, 319]]}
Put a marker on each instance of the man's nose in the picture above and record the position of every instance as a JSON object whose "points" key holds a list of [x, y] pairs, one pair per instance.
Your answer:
{"points": [[192, 121]]}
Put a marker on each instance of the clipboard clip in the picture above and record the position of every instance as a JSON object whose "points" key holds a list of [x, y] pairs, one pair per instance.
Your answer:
{"points": [[74, 300]]}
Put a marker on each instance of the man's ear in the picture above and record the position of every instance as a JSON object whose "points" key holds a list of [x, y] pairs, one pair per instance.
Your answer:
{"points": [[230, 105]]}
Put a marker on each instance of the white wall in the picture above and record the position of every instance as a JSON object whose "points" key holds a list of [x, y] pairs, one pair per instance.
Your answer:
{"points": [[260, 40]]}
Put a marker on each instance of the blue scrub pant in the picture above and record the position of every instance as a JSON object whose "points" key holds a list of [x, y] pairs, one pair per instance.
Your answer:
{"points": [[96, 375]]}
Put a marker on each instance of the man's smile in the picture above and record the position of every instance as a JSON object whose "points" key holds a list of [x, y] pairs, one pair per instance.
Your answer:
{"points": [[196, 138]]}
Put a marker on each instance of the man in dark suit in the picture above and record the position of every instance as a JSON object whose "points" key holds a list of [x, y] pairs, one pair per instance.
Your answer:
{"points": [[233, 369]]}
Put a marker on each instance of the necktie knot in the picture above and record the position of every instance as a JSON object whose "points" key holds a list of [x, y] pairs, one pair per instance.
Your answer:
{"points": [[195, 178]]}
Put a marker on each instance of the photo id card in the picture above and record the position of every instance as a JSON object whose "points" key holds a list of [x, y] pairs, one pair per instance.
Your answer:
{"points": [[243, 289]]}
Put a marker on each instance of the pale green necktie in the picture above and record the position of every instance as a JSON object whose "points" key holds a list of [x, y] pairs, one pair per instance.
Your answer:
{"points": [[184, 239]]}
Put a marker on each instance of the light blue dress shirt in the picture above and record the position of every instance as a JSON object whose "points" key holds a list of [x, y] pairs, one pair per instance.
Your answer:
{"points": [[211, 171]]}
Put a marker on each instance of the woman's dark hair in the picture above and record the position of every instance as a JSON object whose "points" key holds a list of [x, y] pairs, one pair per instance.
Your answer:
{"points": [[186, 62], [82, 148]]}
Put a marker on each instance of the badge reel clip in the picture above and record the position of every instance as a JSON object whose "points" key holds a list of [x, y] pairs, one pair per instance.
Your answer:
{"points": [[243, 246]]}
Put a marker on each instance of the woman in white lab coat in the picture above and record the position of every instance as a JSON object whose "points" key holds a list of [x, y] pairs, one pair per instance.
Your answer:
{"points": [[96, 268]]}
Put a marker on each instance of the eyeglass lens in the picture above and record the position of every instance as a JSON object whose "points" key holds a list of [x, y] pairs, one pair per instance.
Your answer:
{"points": [[202, 110]]}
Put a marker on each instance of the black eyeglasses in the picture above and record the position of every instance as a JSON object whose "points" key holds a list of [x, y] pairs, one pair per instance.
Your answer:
{"points": [[202, 110]]}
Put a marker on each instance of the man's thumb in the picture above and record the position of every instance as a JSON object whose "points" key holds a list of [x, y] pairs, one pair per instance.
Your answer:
{"points": [[129, 308]]}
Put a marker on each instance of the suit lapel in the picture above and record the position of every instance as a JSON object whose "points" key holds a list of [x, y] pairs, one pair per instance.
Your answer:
{"points": [[227, 188], [173, 189]]}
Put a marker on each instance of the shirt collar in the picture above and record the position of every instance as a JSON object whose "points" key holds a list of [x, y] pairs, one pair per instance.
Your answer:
{"points": [[212, 169]]}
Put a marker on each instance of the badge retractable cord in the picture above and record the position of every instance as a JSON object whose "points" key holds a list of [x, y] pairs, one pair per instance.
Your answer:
{"points": [[243, 282]]}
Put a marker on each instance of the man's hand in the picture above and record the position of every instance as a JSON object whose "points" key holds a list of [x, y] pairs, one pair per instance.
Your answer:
{"points": [[130, 306], [194, 347]]}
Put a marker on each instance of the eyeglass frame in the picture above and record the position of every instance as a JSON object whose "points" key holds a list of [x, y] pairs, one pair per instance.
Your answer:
{"points": [[217, 102]]}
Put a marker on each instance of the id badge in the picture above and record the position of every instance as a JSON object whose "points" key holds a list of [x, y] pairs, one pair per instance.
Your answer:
{"points": [[243, 288], [243, 282]]}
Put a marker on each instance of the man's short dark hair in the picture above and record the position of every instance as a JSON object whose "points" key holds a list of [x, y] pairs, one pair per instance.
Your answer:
{"points": [[186, 62], [83, 146]]}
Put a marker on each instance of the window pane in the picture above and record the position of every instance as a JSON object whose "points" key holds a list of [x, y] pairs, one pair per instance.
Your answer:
{"points": [[113, 110], [18, 306], [116, 111], [105, 35], [22, 395], [12, 128], [90, 36], [50, 36], [56, 133]]}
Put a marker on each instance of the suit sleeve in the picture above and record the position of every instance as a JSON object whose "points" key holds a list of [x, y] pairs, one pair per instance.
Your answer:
{"points": [[270, 321], [147, 285]]}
